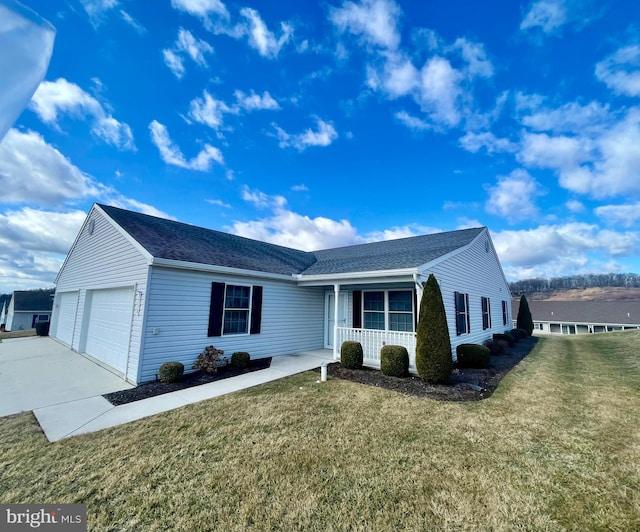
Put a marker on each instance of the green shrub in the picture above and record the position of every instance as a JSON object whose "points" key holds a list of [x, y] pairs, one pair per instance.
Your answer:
{"points": [[518, 334], [209, 359], [42, 328], [473, 356], [506, 337], [171, 372], [351, 355], [241, 359], [497, 348], [394, 361], [433, 345], [525, 320]]}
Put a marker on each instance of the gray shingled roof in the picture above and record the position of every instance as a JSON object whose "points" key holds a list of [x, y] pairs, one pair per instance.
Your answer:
{"points": [[613, 312], [32, 300], [391, 254], [168, 239]]}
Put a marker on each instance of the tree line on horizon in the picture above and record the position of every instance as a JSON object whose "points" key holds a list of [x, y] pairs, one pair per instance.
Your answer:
{"points": [[591, 280]]}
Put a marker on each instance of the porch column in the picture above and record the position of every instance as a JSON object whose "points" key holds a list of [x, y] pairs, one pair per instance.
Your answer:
{"points": [[336, 298], [419, 290]]}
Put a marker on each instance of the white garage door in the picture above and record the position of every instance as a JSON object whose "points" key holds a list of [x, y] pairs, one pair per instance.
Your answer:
{"points": [[110, 326], [67, 305]]}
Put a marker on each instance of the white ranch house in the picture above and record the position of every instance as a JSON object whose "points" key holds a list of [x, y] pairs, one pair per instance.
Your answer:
{"points": [[136, 291]]}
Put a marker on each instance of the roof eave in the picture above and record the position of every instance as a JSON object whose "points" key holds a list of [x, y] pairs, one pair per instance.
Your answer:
{"points": [[212, 268], [402, 274]]}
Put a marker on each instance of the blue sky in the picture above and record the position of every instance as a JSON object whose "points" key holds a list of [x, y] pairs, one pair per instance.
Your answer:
{"points": [[321, 124]]}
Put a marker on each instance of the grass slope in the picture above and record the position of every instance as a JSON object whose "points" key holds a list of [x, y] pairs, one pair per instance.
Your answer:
{"points": [[557, 447]]}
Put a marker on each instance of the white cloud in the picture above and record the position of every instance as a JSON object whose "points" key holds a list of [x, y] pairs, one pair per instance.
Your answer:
{"points": [[54, 98], [300, 188], [622, 215], [376, 21], [575, 206], [261, 38], [398, 76], [621, 70], [569, 118], [548, 15], [253, 101], [262, 200], [513, 197], [324, 135], [208, 110], [171, 153], [440, 91], [32, 171], [475, 56], [140, 29], [202, 9], [218, 203], [557, 250], [186, 44], [96, 9], [412, 122], [474, 142]]}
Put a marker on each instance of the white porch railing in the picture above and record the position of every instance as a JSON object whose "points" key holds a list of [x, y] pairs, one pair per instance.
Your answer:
{"points": [[372, 341]]}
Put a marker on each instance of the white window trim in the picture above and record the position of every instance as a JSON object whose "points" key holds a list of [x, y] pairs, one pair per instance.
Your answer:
{"points": [[248, 309], [386, 310]]}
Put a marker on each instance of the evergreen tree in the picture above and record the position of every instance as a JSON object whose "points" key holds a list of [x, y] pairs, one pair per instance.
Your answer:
{"points": [[433, 345], [524, 320]]}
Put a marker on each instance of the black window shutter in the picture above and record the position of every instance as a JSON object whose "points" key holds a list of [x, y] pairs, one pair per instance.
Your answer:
{"points": [[460, 322], [216, 309], [356, 321], [256, 310]]}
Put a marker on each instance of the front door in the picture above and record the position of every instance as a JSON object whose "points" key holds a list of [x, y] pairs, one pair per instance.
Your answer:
{"points": [[330, 311]]}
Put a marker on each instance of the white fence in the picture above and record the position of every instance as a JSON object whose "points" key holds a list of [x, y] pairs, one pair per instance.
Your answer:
{"points": [[372, 341]]}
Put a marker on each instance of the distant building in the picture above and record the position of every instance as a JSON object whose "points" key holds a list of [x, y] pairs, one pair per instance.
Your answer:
{"points": [[581, 317], [28, 307]]}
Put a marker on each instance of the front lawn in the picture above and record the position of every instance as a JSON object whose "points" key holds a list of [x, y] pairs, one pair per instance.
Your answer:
{"points": [[556, 447]]}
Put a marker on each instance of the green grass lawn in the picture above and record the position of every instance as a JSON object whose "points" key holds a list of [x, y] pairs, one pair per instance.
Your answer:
{"points": [[557, 447]]}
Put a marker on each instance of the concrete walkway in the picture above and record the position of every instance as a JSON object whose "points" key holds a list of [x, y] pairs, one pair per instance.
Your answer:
{"points": [[68, 414]]}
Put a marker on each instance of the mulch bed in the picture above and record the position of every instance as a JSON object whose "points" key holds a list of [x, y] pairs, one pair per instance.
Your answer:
{"points": [[151, 389], [457, 389]]}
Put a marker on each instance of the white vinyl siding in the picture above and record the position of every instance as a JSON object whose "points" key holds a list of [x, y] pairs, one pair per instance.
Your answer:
{"points": [[178, 317], [66, 304], [102, 259], [477, 272]]}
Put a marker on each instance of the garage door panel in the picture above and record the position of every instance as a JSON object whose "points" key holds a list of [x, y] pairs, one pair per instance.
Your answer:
{"points": [[67, 306], [109, 326]]}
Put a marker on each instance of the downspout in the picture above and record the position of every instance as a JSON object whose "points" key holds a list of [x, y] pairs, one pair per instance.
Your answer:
{"points": [[336, 307]]}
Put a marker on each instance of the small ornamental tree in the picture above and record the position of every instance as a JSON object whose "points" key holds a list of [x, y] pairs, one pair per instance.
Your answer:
{"points": [[433, 345], [524, 320]]}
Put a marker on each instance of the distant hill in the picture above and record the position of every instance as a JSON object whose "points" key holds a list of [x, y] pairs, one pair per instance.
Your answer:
{"points": [[593, 287]]}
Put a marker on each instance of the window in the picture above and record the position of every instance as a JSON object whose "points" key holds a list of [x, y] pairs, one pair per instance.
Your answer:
{"points": [[463, 325], [486, 313], [505, 313], [390, 310], [235, 309], [374, 310], [43, 317]]}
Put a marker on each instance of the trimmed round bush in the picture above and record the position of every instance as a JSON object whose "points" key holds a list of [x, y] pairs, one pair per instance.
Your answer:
{"points": [[506, 337], [518, 334], [351, 355], [241, 359], [497, 348], [394, 361], [171, 372], [473, 356]]}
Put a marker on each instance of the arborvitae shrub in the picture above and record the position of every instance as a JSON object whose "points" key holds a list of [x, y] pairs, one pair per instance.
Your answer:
{"points": [[506, 337], [171, 372], [351, 355], [525, 320], [42, 328], [209, 359], [394, 361], [497, 348], [473, 356], [241, 359], [433, 345]]}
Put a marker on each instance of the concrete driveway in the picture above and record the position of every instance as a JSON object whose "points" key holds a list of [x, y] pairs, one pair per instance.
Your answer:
{"points": [[37, 372]]}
